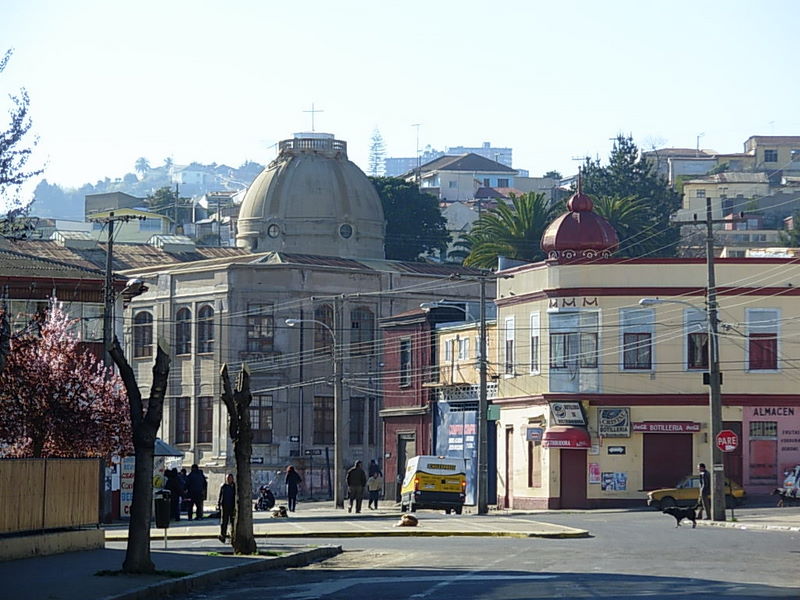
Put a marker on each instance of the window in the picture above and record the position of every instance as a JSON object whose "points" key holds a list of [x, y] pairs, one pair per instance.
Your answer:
{"points": [[205, 329], [150, 225], [323, 338], [323, 420], [794, 155], [183, 331], [182, 420], [696, 339], [463, 348], [452, 185], [637, 338], [762, 339], [508, 360], [362, 331], [261, 418], [205, 419], [372, 421], [92, 323], [535, 330], [260, 327], [700, 194], [503, 183], [573, 340], [770, 156], [142, 334], [405, 363], [448, 349], [356, 421], [485, 182], [534, 464]]}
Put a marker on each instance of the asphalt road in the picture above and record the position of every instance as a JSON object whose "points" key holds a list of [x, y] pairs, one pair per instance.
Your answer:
{"points": [[629, 555]]}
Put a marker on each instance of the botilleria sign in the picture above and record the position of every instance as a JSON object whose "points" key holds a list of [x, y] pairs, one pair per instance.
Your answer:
{"points": [[666, 427]]}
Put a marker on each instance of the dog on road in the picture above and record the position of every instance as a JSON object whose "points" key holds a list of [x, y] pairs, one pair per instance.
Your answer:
{"points": [[682, 513]]}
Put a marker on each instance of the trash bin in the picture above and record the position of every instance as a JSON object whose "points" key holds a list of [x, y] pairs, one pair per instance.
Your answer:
{"points": [[162, 508]]}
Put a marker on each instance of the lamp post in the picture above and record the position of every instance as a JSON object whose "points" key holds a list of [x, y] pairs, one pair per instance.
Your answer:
{"points": [[338, 461], [483, 402], [714, 395]]}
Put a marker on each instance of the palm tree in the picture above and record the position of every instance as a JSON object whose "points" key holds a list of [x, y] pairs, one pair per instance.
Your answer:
{"points": [[628, 215], [142, 165], [511, 230]]}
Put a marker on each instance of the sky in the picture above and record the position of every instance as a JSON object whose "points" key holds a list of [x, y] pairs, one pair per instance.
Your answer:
{"points": [[223, 82]]}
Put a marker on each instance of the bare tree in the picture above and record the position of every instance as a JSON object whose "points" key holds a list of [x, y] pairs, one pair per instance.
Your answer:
{"points": [[145, 425], [238, 404]]}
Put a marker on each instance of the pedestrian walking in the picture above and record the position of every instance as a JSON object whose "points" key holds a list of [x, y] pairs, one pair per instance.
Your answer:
{"points": [[197, 489], [356, 480], [705, 492], [374, 469], [374, 487], [175, 493], [293, 481], [226, 504]]}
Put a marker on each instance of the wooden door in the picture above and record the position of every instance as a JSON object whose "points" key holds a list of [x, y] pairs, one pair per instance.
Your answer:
{"points": [[666, 459], [573, 479]]}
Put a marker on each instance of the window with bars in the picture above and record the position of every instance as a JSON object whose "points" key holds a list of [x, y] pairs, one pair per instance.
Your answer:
{"points": [[205, 329], [205, 419], [323, 420], [183, 331], [762, 339], [362, 331], [770, 156], [261, 418], [260, 327], [142, 334], [323, 339], [356, 421], [405, 363], [183, 412]]}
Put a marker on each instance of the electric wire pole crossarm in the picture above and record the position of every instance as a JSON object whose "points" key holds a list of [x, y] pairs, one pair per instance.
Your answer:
{"points": [[338, 461]]}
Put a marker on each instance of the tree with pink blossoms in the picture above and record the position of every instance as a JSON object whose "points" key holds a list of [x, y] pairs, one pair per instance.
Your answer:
{"points": [[57, 398]]}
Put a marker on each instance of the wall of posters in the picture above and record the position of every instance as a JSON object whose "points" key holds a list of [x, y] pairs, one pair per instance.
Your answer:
{"points": [[614, 482]]}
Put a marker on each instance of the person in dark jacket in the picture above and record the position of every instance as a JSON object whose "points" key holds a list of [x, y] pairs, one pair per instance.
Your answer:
{"points": [[374, 469], [293, 480], [175, 493], [226, 503], [197, 489], [356, 480]]}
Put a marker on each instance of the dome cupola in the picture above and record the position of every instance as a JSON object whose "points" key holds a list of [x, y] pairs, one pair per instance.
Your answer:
{"points": [[312, 200], [580, 233]]}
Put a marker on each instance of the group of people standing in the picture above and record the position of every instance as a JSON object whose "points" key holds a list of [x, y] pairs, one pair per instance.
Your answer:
{"points": [[357, 480], [191, 488]]}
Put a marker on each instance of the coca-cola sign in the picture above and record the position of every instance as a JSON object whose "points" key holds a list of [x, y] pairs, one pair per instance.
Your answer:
{"points": [[666, 427]]}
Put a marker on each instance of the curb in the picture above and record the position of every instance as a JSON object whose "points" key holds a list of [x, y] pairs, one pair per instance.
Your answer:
{"points": [[203, 579], [745, 525], [564, 533]]}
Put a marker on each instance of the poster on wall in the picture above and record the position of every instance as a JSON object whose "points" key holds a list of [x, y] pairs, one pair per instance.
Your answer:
{"points": [[614, 422], [614, 482], [567, 413], [128, 466], [594, 473]]}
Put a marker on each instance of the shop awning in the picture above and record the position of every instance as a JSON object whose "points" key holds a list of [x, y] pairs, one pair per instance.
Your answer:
{"points": [[566, 436]]}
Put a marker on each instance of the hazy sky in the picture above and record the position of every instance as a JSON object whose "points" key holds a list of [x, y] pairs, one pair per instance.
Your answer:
{"points": [[222, 81]]}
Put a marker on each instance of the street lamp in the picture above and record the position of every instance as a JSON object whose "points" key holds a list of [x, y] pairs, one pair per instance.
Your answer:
{"points": [[714, 399], [338, 461], [483, 403]]}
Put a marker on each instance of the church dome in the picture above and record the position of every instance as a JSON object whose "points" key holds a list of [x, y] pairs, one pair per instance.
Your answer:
{"points": [[312, 200], [580, 233]]}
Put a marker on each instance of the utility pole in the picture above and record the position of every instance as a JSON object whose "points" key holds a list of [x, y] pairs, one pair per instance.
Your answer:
{"points": [[714, 374], [338, 413], [483, 409]]}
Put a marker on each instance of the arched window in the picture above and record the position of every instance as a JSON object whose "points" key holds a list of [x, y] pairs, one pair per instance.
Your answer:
{"points": [[362, 331], [323, 340], [205, 329], [183, 331], [142, 334]]}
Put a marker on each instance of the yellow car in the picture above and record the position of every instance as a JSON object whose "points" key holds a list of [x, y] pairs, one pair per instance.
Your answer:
{"points": [[687, 493]]}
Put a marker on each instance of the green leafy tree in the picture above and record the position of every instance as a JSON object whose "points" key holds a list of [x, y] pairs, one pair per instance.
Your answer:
{"points": [[629, 218], [628, 175], [15, 148], [552, 175], [414, 223], [511, 230], [166, 201], [791, 237], [142, 166]]}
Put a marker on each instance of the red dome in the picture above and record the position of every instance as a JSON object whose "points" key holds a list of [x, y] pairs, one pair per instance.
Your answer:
{"points": [[579, 233]]}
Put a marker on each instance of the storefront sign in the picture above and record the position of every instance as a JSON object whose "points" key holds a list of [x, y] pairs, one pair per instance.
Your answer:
{"points": [[567, 413], [616, 450], [614, 422], [666, 427], [534, 434]]}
